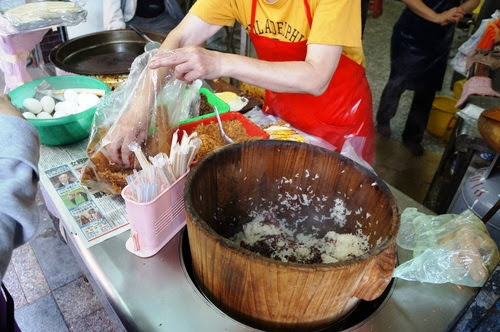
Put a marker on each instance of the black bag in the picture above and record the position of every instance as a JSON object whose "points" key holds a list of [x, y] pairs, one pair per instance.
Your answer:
{"points": [[7, 322]]}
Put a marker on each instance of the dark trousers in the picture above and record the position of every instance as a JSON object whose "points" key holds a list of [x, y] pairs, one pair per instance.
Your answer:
{"points": [[419, 110], [7, 321], [364, 13]]}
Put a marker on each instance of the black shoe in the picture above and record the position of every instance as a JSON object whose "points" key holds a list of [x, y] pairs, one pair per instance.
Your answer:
{"points": [[384, 129], [415, 148]]}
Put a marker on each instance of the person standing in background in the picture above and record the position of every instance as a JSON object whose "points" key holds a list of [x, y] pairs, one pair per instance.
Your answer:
{"points": [[154, 15], [421, 41], [364, 14], [19, 154]]}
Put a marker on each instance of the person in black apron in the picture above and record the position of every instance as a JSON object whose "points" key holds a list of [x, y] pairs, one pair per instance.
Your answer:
{"points": [[151, 15], [364, 14], [421, 41]]}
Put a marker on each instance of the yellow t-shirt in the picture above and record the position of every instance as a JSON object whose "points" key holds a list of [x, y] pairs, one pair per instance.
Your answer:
{"points": [[335, 22]]}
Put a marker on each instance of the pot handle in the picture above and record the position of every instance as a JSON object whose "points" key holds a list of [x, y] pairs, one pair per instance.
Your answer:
{"points": [[377, 275]]}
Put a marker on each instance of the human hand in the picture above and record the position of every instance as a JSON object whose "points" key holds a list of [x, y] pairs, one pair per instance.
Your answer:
{"points": [[7, 108], [131, 127], [452, 15], [190, 63]]}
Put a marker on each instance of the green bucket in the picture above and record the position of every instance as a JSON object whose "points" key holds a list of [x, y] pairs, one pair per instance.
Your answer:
{"points": [[66, 130]]}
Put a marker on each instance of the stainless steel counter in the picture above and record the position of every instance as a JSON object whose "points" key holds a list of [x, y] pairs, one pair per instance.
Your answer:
{"points": [[155, 294]]}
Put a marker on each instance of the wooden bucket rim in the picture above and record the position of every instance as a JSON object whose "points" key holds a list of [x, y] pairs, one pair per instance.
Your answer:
{"points": [[373, 252]]}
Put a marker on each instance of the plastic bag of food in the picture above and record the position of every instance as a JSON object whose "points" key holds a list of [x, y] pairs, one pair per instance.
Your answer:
{"points": [[21, 17], [136, 109], [182, 100], [266, 121], [446, 248]]}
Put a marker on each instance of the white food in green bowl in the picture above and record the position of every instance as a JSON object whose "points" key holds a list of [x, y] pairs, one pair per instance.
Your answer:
{"points": [[48, 104], [32, 105], [74, 102]]}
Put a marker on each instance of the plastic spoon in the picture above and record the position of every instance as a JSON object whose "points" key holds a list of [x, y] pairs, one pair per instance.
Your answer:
{"points": [[222, 132]]}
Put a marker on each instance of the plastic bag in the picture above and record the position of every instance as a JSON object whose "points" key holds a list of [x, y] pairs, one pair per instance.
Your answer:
{"points": [[446, 248], [143, 114], [353, 149], [39, 15], [458, 63], [470, 114], [14, 51], [182, 100], [262, 119]]}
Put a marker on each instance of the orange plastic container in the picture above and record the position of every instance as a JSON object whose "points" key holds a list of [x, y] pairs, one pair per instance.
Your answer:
{"points": [[155, 223]]}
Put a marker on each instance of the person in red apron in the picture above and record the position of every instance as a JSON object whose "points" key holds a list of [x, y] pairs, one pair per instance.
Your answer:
{"points": [[342, 108]]}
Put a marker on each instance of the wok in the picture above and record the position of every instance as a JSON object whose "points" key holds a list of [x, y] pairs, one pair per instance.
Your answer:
{"points": [[101, 53]]}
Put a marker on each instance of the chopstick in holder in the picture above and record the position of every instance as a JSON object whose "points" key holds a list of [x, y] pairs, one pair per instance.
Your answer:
{"points": [[143, 161], [161, 171], [193, 150]]}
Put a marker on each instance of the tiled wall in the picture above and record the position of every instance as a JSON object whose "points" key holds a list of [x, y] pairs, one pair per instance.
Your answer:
{"points": [[49, 41]]}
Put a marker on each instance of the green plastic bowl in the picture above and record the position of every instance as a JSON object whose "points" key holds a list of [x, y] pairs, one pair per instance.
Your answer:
{"points": [[71, 128]]}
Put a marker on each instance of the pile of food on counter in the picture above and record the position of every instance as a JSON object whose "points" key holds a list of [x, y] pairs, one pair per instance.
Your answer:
{"points": [[61, 103]]}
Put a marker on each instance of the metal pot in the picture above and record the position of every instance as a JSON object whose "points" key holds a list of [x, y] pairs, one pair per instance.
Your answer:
{"points": [[102, 53]]}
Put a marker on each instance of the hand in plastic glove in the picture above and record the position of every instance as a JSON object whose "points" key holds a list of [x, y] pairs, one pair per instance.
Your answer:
{"points": [[190, 63], [7, 108], [452, 15], [132, 127]]}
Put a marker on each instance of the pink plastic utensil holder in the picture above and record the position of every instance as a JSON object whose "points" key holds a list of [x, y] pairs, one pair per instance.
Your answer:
{"points": [[153, 224]]}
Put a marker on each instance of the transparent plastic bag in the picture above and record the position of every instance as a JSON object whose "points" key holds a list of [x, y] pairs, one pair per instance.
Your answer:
{"points": [[182, 100], [137, 109], [470, 114], [446, 248], [42, 14], [353, 149], [262, 119]]}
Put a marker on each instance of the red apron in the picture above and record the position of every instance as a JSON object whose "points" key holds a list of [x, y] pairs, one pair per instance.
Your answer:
{"points": [[344, 110]]}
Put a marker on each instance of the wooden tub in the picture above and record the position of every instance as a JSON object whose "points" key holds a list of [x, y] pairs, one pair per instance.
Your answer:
{"points": [[228, 184]]}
